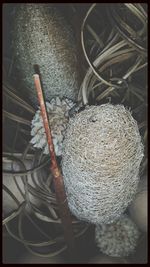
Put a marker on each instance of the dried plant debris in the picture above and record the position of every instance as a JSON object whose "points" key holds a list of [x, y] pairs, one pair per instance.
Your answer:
{"points": [[36, 206], [115, 53]]}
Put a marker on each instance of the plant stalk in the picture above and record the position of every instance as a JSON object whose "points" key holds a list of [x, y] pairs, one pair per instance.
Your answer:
{"points": [[57, 176]]}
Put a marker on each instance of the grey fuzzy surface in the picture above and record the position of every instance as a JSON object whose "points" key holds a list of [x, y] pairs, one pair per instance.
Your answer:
{"points": [[118, 239], [41, 36], [102, 152]]}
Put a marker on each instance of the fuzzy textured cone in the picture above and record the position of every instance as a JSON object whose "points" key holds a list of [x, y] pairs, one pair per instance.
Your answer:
{"points": [[102, 152], [58, 116], [118, 239], [41, 36]]}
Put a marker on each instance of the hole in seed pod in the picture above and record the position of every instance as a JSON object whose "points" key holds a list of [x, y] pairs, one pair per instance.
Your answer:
{"points": [[93, 119]]}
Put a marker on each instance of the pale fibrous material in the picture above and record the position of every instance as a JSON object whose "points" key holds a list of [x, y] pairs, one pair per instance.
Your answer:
{"points": [[118, 239], [102, 152], [57, 110], [41, 36]]}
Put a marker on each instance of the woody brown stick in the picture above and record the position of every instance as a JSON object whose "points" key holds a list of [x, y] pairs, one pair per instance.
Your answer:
{"points": [[57, 176]]}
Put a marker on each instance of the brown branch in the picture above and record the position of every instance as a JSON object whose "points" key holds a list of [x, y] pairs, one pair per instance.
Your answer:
{"points": [[58, 179]]}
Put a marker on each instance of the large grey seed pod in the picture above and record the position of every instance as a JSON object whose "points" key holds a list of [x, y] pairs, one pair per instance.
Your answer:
{"points": [[42, 37], [102, 152]]}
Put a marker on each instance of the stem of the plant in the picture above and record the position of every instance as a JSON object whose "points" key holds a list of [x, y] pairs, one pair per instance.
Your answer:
{"points": [[58, 179]]}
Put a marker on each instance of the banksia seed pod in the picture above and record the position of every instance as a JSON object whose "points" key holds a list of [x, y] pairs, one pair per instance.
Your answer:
{"points": [[118, 239], [57, 110], [102, 152], [41, 36]]}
